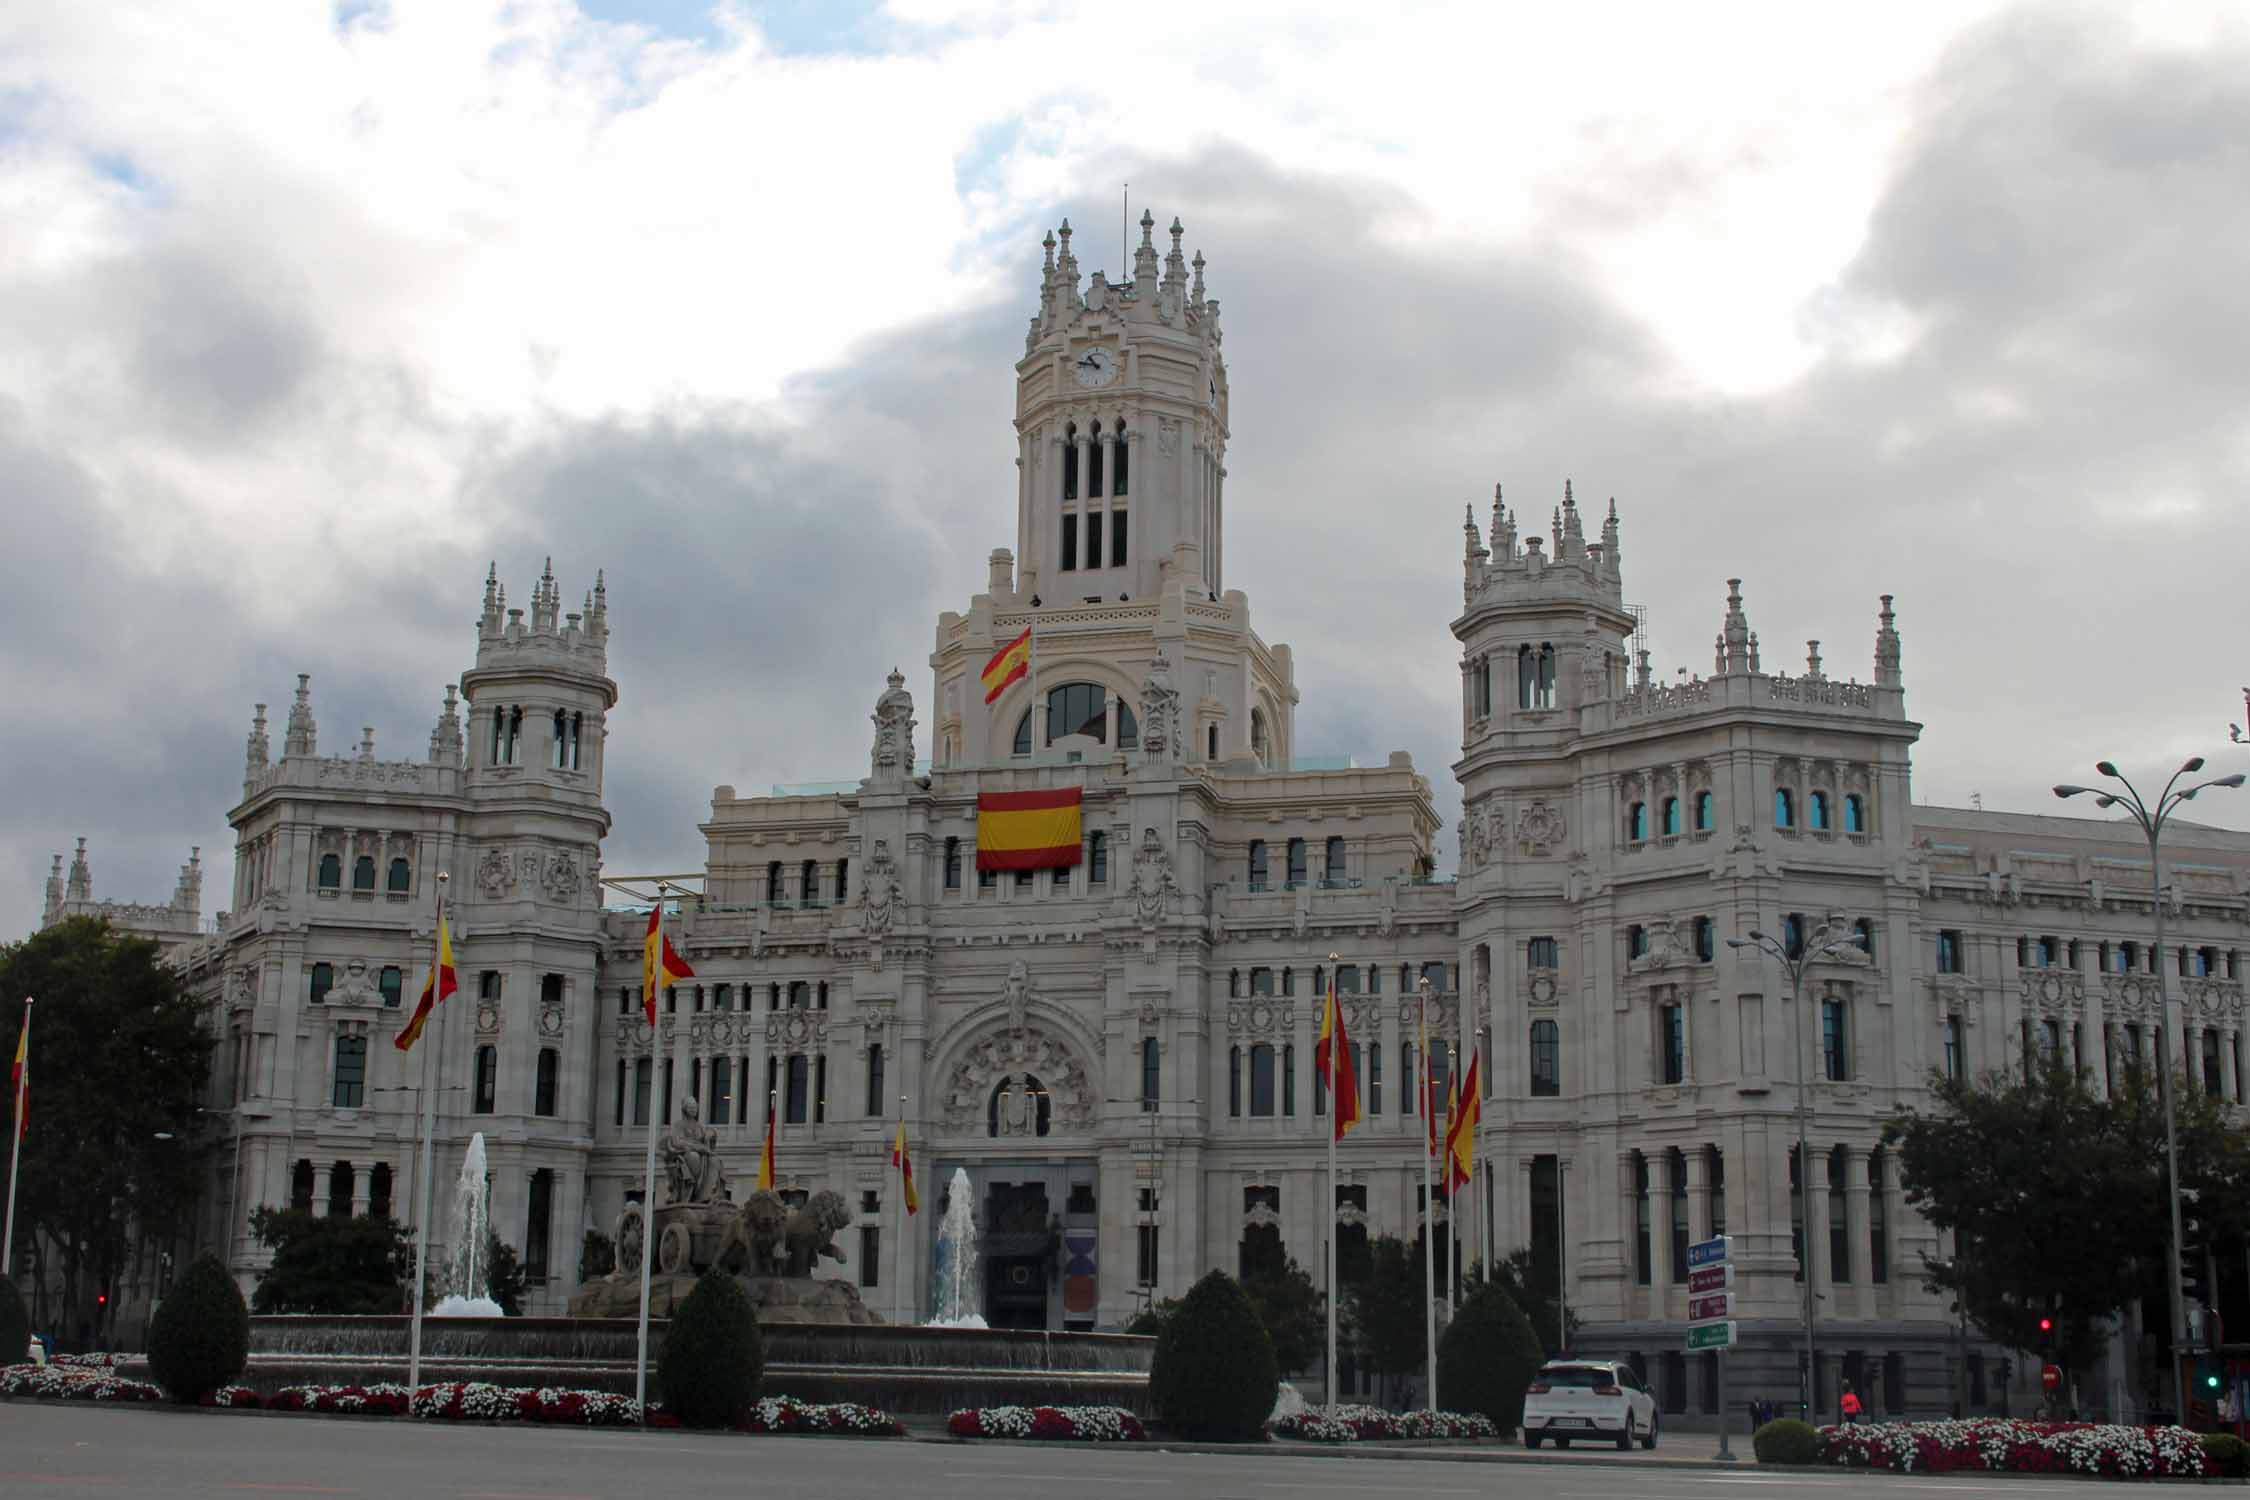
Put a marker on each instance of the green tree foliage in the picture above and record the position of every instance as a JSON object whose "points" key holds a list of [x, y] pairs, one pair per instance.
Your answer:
{"points": [[119, 1055], [1532, 1287], [2056, 1195], [504, 1276], [1386, 1310], [1214, 1378], [597, 1256], [1149, 1321], [1785, 1440], [15, 1324], [713, 1356], [200, 1338], [1294, 1313], [1488, 1356], [332, 1264]]}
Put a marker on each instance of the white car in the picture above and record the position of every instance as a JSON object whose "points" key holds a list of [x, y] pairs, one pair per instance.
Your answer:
{"points": [[1589, 1399]]}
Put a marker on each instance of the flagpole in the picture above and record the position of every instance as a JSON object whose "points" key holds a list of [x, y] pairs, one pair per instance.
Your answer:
{"points": [[1031, 651], [1429, 1202], [652, 981], [1335, 1107], [422, 1172], [15, 1152], [898, 1220]]}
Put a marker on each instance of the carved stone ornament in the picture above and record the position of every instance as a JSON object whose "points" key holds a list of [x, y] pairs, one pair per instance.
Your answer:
{"points": [[354, 989], [893, 754], [1168, 436], [560, 879], [1262, 1216], [1539, 830], [1261, 1015], [1160, 712], [879, 892], [1016, 1057], [1542, 991], [496, 873], [488, 1019], [2048, 990], [797, 1030], [1153, 881], [1348, 1214], [550, 1019], [1016, 991]]}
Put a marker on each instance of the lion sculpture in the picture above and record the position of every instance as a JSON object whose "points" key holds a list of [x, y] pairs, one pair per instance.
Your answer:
{"points": [[790, 1242]]}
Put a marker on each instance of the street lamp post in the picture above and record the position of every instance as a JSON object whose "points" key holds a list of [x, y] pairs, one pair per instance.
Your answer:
{"points": [[2151, 821], [1828, 942]]}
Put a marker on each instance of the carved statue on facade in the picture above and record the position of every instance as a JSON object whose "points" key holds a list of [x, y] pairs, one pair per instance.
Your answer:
{"points": [[1019, 1108], [1160, 712], [1017, 992], [1153, 880], [690, 1150], [894, 729], [879, 891]]}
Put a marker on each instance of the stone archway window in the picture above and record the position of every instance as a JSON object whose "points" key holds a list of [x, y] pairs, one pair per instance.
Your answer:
{"points": [[1019, 1105]]}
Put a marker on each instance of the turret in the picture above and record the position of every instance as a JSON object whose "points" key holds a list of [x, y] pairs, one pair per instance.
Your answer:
{"points": [[445, 736], [256, 750], [1887, 672], [304, 735], [54, 894], [187, 895], [81, 884], [536, 698]]}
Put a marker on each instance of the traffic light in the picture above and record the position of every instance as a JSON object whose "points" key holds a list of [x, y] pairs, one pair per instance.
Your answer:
{"points": [[2046, 1335]]}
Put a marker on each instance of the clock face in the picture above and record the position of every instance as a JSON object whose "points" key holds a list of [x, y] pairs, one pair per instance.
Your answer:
{"points": [[1096, 366]]}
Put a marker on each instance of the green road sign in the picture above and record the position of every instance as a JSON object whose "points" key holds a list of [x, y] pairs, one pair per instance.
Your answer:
{"points": [[1711, 1335]]}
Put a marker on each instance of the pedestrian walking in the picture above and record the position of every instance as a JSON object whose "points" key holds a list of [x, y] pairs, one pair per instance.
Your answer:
{"points": [[1850, 1405]]}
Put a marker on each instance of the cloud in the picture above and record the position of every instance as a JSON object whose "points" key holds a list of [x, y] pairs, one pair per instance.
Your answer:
{"points": [[450, 284]]}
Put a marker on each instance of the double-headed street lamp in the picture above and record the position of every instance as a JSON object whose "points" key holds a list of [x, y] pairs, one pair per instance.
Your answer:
{"points": [[2151, 820], [1829, 942]]}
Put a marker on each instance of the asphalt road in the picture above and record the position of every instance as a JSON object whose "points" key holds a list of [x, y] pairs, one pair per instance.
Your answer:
{"points": [[57, 1449]]}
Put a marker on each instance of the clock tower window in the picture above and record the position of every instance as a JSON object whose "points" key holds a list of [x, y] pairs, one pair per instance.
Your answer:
{"points": [[1070, 462], [1095, 448], [1119, 462]]}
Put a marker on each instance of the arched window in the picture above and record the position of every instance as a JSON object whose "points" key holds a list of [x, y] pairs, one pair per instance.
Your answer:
{"points": [[1261, 981], [341, 1180], [1671, 817], [1022, 744], [1706, 939], [1835, 1055], [1257, 864], [513, 742], [331, 872], [1213, 753], [1260, 745], [808, 883], [1332, 861], [488, 1080], [558, 751], [1128, 727], [773, 883], [1288, 980], [1119, 466], [301, 1186], [1784, 808], [1234, 1082], [1070, 463], [1793, 935], [1816, 810], [1546, 694], [1855, 814], [1527, 677], [1839, 1225], [1636, 822], [392, 983], [549, 1076], [953, 864], [1374, 1077], [1078, 708], [1546, 1060], [1097, 859], [1636, 941], [401, 877], [351, 1072], [1480, 687], [1289, 1077], [1152, 1073], [323, 980], [800, 995], [1705, 811], [1261, 1080], [363, 873], [1347, 979], [1296, 863], [843, 881]]}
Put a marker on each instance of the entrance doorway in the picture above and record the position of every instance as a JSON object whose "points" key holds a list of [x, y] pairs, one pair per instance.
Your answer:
{"points": [[1019, 1252]]}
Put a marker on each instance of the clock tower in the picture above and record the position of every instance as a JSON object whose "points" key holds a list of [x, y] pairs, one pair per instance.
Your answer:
{"points": [[1121, 421]]}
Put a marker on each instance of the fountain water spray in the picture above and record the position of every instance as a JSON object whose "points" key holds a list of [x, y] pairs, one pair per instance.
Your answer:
{"points": [[956, 1301], [469, 1269]]}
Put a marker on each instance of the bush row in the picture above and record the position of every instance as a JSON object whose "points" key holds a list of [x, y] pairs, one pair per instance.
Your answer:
{"points": [[1994, 1445]]}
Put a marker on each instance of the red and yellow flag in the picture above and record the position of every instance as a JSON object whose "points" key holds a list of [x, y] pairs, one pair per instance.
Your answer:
{"points": [[905, 1165], [1461, 1129], [1332, 1060], [19, 1075], [765, 1157], [660, 965], [1029, 830], [440, 984], [1008, 663]]}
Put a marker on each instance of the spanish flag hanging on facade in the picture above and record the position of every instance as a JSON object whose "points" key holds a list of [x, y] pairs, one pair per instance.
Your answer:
{"points": [[440, 984], [1461, 1128], [660, 965], [1029, 830], [1332, 1060], [905, 1165], [1008, 663]]}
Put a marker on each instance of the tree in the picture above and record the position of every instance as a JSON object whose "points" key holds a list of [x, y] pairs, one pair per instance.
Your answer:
{"points": [[597, 1256], [119, 1056], [200, 1339], [714, 1355], [1387, 1315], [1294, 1313], [15, 1324], [1149, 1321], [1531, 1286], [1488, 1356], [333, 1264], [1213, 1378], [504, 1279]]}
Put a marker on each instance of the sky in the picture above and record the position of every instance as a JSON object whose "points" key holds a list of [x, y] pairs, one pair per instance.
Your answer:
{"points": [[308, 313]]}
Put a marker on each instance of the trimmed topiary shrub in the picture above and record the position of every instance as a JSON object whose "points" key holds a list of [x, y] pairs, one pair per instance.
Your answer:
{"points": [[1785, 1440], [2228, 1455], [714, 1355], [200, 1337], [1214, 1379], [15, 1327], [1488, 1356]]}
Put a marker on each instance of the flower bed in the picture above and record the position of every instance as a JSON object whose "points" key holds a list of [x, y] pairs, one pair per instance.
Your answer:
{"points": [[1085, 1424], [788, 1414], [362, 1400], [90, 1361], [2016, 1447], [1351, 1424], [73, 1383]]}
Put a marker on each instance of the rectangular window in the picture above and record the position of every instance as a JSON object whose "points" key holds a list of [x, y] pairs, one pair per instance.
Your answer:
{"points": [[1234, 1083], [1152, 1072], [538, 1222], [1641, 1265], [1948, 952], [1094, 540], [666, 1118], [799, 1084], [1839, 1224], [722, 1091], [1289, 1078], [1069, 543], [620, 1121], [2211, 1063], [1878, 1225], [870, 1255], [1374, 1077], [875, 1109], [1117, 535], [1956, 1048], [544, 1089], [1673, 1026], [488, 1079], [644, 1074], [820, 1090], [351, 1071], [1546, 1060], [1147, 1266], [1543, 953], [1261, 1080], [1834, 1059]]}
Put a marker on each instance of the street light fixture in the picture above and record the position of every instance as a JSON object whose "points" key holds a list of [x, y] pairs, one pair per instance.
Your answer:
{"points": [[2151, 821], [1830, 942]]}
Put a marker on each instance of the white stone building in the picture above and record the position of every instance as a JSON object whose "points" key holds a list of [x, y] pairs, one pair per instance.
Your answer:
{"points": [[1120, 1054]]}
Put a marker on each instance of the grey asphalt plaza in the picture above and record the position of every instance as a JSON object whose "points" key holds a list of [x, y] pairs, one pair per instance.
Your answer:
{"points": [[58, 1449]]}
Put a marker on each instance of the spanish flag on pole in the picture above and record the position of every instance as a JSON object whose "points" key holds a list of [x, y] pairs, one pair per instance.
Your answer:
{"points": [[660, 965], [440, 984], [1008, 663], [765, 1157], [905, 1165], [1332, 1060], [19, 1076], [1461, 1128]]}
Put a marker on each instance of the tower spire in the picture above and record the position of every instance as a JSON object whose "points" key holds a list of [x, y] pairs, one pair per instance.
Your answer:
{"points": [[1887, 672]]}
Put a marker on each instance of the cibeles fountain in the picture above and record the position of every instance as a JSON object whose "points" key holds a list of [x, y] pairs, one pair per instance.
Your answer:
{"points": [[822, 1342]]}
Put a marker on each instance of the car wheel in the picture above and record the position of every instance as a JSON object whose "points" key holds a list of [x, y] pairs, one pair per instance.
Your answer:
{"points": [[1625, 1438], [1650, 1440], [1530, 1440]]}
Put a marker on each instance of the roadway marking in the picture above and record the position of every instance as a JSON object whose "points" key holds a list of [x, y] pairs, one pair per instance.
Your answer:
{"points": [[66, 1478], [1066, 1478], [1355, 1489]]}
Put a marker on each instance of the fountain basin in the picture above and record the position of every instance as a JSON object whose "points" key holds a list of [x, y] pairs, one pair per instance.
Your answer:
{"points": [[907, 1371]]}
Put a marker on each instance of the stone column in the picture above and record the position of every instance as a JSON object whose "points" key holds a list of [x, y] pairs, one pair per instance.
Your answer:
{"points": [[1857, 1230], [1628, 1237], [322, 1172], [1817, 1210], [1698, 1194]]}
